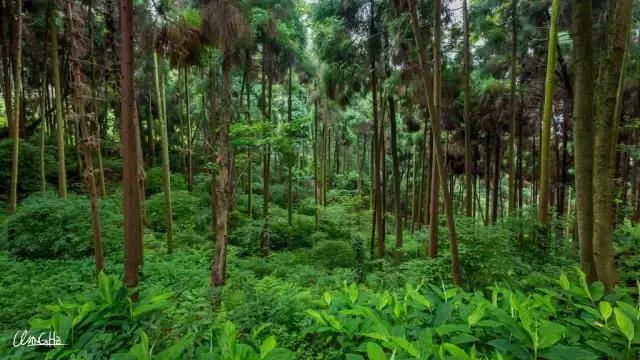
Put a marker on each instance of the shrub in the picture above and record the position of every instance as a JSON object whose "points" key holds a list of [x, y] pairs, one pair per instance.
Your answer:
{"points": [[28, 165], [333, 254], [153, 181], [187, 211], [46, 226], [573, 321]]}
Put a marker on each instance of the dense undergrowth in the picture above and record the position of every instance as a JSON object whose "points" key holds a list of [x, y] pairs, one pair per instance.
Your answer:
{"points": [[318, 297]]}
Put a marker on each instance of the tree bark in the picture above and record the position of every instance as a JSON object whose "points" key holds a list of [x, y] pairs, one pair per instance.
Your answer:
{"points": [[17, 77], [396, 180], [131, 198], [218, 275], [512, 110], [545, 185], [468, 180]]}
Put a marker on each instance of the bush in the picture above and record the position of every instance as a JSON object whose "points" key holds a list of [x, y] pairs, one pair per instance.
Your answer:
{"points": [[153, 181], [570, 321], [28, 166], [187, 211], [46, 226], [333, 254]]}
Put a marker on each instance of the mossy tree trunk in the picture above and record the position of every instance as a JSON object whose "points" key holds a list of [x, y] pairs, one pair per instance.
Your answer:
{"points": [[608, 100]]}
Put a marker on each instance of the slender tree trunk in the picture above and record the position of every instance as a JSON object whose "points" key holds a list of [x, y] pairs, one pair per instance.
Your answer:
{"points": [[218, 275], [289, 173], [435, 125], [75, 24], [17, 76], [396, 179], [132, 221], [250, 148], [189, 138], [7, 73], [468, 180], [434, 206], [496, 179], [62, 172], [545, 183], [316, 179], [512, 109], [43, 107], [166, 179], [608, 101], [94, 105], [266, 162]]}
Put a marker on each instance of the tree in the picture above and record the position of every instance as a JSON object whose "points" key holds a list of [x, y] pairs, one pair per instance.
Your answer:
{"points": [[166, 179], [226, 27], [468, 177], [512, 109], [439, 153], [17, 111], [605, 137], [545, 183], [583, 107], [131, 197], [55, 64]]}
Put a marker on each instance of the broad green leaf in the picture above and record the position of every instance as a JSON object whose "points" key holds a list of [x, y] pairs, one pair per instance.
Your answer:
{"points": [[605, 309], [267, 345], [476, 315], [456, 352], [316, 315], [375, 352], [406, 346], [624, 324], [327, 298]]}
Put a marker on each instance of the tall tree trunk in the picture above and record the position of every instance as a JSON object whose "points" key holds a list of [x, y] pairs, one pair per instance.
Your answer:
{"points": [[545, 183], [396, 179], [468, 180], [496, 179], [75, 24], [62, 172], [608, 100], [189, 138], [435, 125], [512, 109], [166, 178], [289, 173], [131, 198], [266, 162], [17, 76], [7, 73], [249, 147], [218, 275], [434, 207], [43, 106], [94, 105], [316, 178]]}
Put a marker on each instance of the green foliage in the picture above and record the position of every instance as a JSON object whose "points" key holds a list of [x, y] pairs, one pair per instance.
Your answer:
{"points": [[573, 321], [46, 226], [28, 165], [333, 254], [153, 181], [188, 210], [100, 323]]}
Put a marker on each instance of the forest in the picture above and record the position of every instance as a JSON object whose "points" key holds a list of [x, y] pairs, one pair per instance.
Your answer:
{"points": [[320, 179]]}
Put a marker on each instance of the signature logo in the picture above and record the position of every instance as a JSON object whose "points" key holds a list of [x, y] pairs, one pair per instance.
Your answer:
{"points": [[50, 339]]}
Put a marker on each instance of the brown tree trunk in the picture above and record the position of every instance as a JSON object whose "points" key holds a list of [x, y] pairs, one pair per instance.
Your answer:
{"points": [[218, 275], [132, 221], [396, 179]]}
